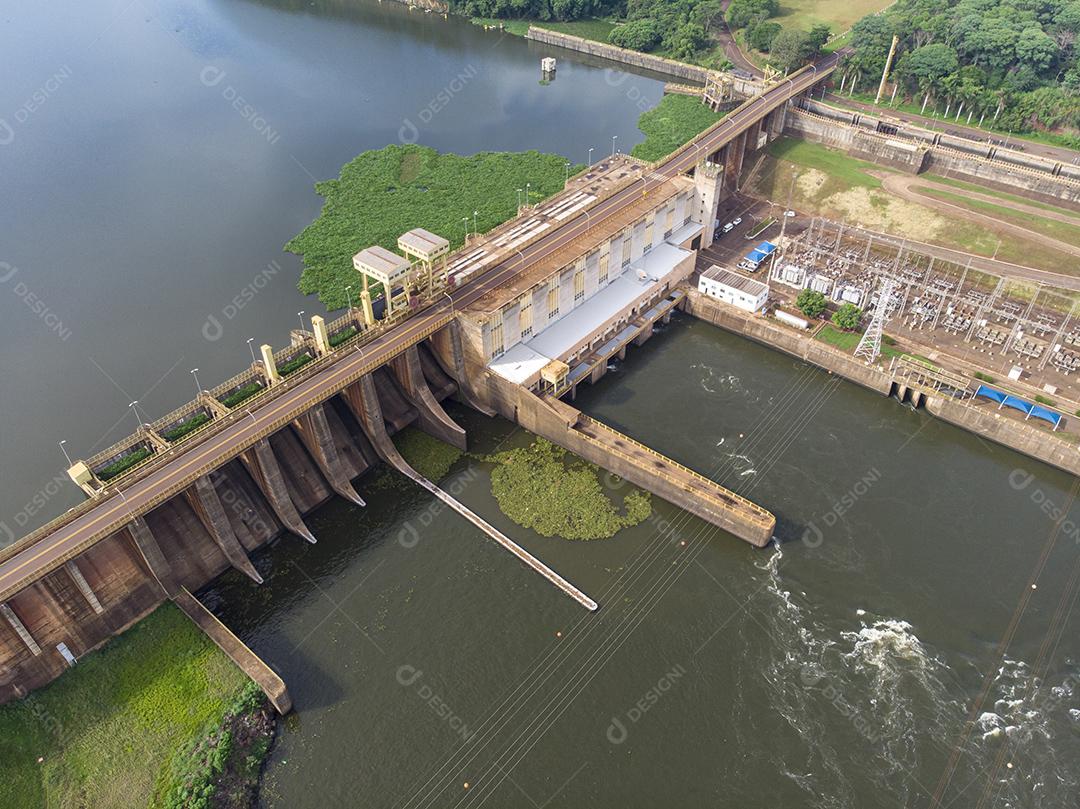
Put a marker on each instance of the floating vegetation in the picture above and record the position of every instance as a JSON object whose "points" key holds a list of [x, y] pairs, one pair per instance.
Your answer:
{"points": [[555, 493], [429, 456]]}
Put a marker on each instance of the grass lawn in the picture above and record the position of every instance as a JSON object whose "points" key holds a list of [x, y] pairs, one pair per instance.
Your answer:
{"points": [[1061, 231], [848, 341], [839, 15], [109, 729], [848, 170], [670, 124], [384, 192], [1002, 195]]}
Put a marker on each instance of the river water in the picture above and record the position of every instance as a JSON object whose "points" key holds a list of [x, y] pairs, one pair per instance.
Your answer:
{"points": [[155, 157], [835, 668]]}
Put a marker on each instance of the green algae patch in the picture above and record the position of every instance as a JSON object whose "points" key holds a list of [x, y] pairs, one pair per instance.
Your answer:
{"points": [[555, 493], [382, 193], [429, 456]]}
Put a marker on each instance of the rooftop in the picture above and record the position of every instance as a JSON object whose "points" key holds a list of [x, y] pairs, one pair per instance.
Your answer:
{"points": [[423, 243], [537, 272], [378, 260], [732, 279]]}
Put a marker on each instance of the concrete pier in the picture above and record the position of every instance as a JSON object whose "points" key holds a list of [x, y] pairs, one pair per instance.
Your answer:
{"points": [[370, 416], [20, 629], [644, 467], [315, 432], [263, 466], [156, 562], [84, 586], [433, 419], [204, 499], [250, 663]]}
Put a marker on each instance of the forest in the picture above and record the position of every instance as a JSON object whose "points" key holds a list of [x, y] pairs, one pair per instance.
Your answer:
{"points": [[1011, 63]]}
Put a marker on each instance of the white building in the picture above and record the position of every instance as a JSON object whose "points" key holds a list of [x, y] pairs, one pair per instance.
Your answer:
{"points": [[730, 287]]}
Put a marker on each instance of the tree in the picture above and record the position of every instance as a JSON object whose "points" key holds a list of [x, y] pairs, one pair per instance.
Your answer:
{"points": [[847, 317], [687, 40], [810, 302], [759, 35], [638, 35], [818, 36], [790, 49], [742, 12]]}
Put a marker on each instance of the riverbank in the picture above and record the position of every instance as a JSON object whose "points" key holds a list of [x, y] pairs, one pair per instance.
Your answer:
{"points": [[1034, 442], [133, 725]]}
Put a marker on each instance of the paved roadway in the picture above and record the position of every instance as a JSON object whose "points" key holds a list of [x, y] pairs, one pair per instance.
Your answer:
{"points": [[117, 509]]}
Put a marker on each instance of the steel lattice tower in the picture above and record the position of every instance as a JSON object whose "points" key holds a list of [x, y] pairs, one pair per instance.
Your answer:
{"points": [[870, 345]]}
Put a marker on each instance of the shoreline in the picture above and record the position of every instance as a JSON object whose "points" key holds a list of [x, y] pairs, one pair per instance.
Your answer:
{"points": [[1030, 441]]}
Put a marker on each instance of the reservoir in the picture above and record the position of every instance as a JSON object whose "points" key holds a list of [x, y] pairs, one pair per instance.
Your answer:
{"points": [[835, 668]]}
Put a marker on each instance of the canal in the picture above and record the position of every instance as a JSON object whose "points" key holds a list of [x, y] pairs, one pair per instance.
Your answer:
{"points": [[834, 669]]}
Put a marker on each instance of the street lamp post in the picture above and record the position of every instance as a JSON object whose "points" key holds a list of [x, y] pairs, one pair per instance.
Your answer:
{"points": [[519, 198], [300, 315], [590, 154], [251, 348], [474, 230], [613, 139], [528, 193], [567, 178], [466, 221], [135, 409], [348, 297], [198, 387], [447, 294], [63, 449]]}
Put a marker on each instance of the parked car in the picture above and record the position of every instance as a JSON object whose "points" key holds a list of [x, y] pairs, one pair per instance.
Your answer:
{"points": [[737, 220], [728, 227]]}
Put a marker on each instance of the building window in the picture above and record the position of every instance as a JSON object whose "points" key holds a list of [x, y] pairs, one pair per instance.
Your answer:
{"points": [[648, 236], [604, 268], [525, 317], [579, 286], [553, 299], [497, 345], [626, 238], [669, 222]]}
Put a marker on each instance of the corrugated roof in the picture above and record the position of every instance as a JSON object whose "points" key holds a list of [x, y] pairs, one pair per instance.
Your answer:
{"points": [[733, 280]]}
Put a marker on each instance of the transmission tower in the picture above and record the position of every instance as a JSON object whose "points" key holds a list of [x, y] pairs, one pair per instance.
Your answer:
{"points": [[870, 345]]}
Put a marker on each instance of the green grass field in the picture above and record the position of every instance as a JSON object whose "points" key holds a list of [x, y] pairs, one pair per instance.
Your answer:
{"points": [[594, 28], [1061, 231], [107, 731], [1002, 195], [840, 15], [670, 124], [846, 170]]}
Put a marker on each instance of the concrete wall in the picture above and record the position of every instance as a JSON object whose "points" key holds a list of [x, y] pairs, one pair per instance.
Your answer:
{"points": [[917, 151], [1029, 440], [56, 610]]}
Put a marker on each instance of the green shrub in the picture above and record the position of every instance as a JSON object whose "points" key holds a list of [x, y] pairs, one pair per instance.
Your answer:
{"points": [[639, 35], [122, 465], [189, 426], [295, 364], [847, 317], [340, 337], [983, 377], [811, 303], [242, 394], [1045, 401]]}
